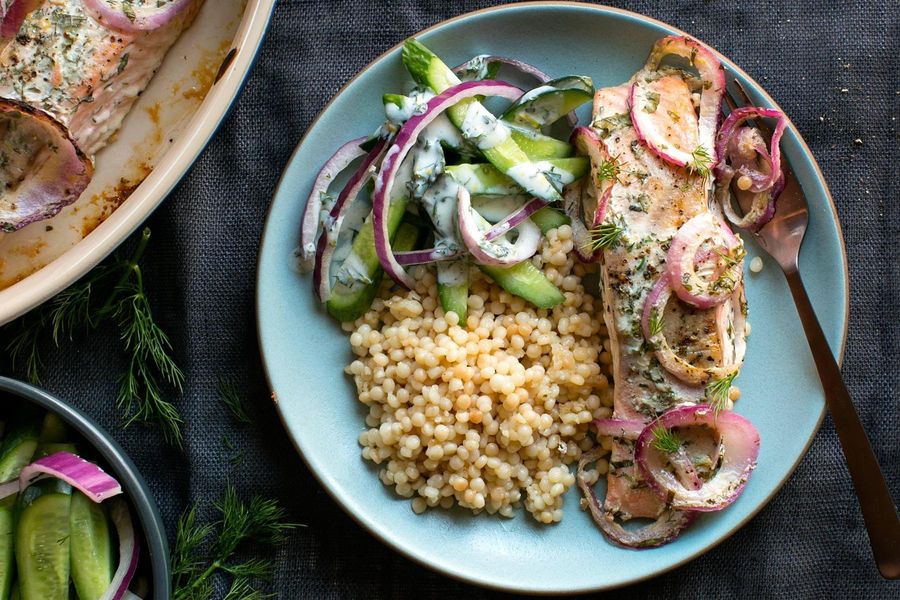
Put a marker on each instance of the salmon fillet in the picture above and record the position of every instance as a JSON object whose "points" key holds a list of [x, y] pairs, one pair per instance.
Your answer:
{"points": [[650, 200]]}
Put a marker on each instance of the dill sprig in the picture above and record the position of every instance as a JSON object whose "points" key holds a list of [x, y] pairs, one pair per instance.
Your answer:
{"points": [[608, 170], [606, 235], [203, 551], [148, 350], [717, 391], [701, 161], [656, 322], [665, 440], [231, 398]]}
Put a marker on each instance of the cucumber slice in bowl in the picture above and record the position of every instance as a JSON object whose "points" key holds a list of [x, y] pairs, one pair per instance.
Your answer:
{"points": [[7, 542], [548, 103], [92, 558], [42, 541], [20, 443]]}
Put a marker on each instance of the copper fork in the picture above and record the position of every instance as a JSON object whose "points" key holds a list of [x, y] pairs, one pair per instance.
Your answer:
{"points": [[781, 237]]}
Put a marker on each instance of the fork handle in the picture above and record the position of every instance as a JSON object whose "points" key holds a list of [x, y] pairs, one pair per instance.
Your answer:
{"points": [[878, 509]]}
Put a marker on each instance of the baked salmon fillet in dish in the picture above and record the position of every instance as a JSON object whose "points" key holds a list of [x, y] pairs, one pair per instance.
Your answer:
{"points": [[672, 285], [70, 71]]}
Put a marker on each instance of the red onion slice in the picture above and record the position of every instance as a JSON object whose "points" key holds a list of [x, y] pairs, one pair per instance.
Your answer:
{"points": [[311, 222], [711, 73], [424, 257], [74, 470], [666, 528], [773, 157], [129, 552], [664, 119], [654, 309], [331, 229], [403, 143], [493, 253], [12, 14], [515, 219], [40, 185], [626, 429], [125, 17], [740, 441], [681, 261]]}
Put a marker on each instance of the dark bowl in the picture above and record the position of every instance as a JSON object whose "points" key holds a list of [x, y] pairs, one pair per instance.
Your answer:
{"points": [[120, 466]]}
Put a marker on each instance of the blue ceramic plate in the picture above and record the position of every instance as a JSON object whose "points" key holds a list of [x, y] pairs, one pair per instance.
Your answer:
{"points": [[304, 351]]}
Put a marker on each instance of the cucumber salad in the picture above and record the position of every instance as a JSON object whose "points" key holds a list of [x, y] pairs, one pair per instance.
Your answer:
{"points": [[59, 517], [447, 180]]}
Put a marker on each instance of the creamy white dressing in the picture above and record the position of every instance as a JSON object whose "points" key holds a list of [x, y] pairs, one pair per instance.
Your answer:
{"points": [[415, 103], [532, 179], [452, 272], [497, 208], [483, 128], [440, 202]]}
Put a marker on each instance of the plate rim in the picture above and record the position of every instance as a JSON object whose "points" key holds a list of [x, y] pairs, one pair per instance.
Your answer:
{"points": [[174, 165], [842, 346]]}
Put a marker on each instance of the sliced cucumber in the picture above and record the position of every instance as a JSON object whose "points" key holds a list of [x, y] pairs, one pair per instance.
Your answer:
{"points": [[546, 104], [42, 541], [53, 429], [548, 218], [14, 593], [453, 287], [92, 560], [486, 180], [350, 303], [7, 541], [502, 152], [46, 449], [538, 146], [527, 282], [19, 444]]}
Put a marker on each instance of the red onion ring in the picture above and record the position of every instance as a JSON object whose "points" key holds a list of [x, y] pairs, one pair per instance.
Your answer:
{"points": [[488, 253], [666, 528], [310, 223], [12, 14], [145, 20], [669, 130], [74, 470], [681, 261], [515, 219], [424, 257], [403, 143], [711, 73], [656, 302], [332, 227], [740, 440], [129, 552], [726, 134]]}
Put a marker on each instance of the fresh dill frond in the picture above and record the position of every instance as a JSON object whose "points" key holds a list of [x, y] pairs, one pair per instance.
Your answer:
{"points": [[717, 391], [606, 235], [701, 161], [656, 322], [608, 170], [24, 347], [732, 260], [665, 440], [231, 398], [260, 520], [149, 351], [78, 309]]}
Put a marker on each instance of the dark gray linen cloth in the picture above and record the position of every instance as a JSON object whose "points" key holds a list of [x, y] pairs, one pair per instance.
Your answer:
{"points": [[833, 67]]}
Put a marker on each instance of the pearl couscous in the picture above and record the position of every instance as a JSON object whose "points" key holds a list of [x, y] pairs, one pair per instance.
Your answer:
{"points": [[486, 414]]}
